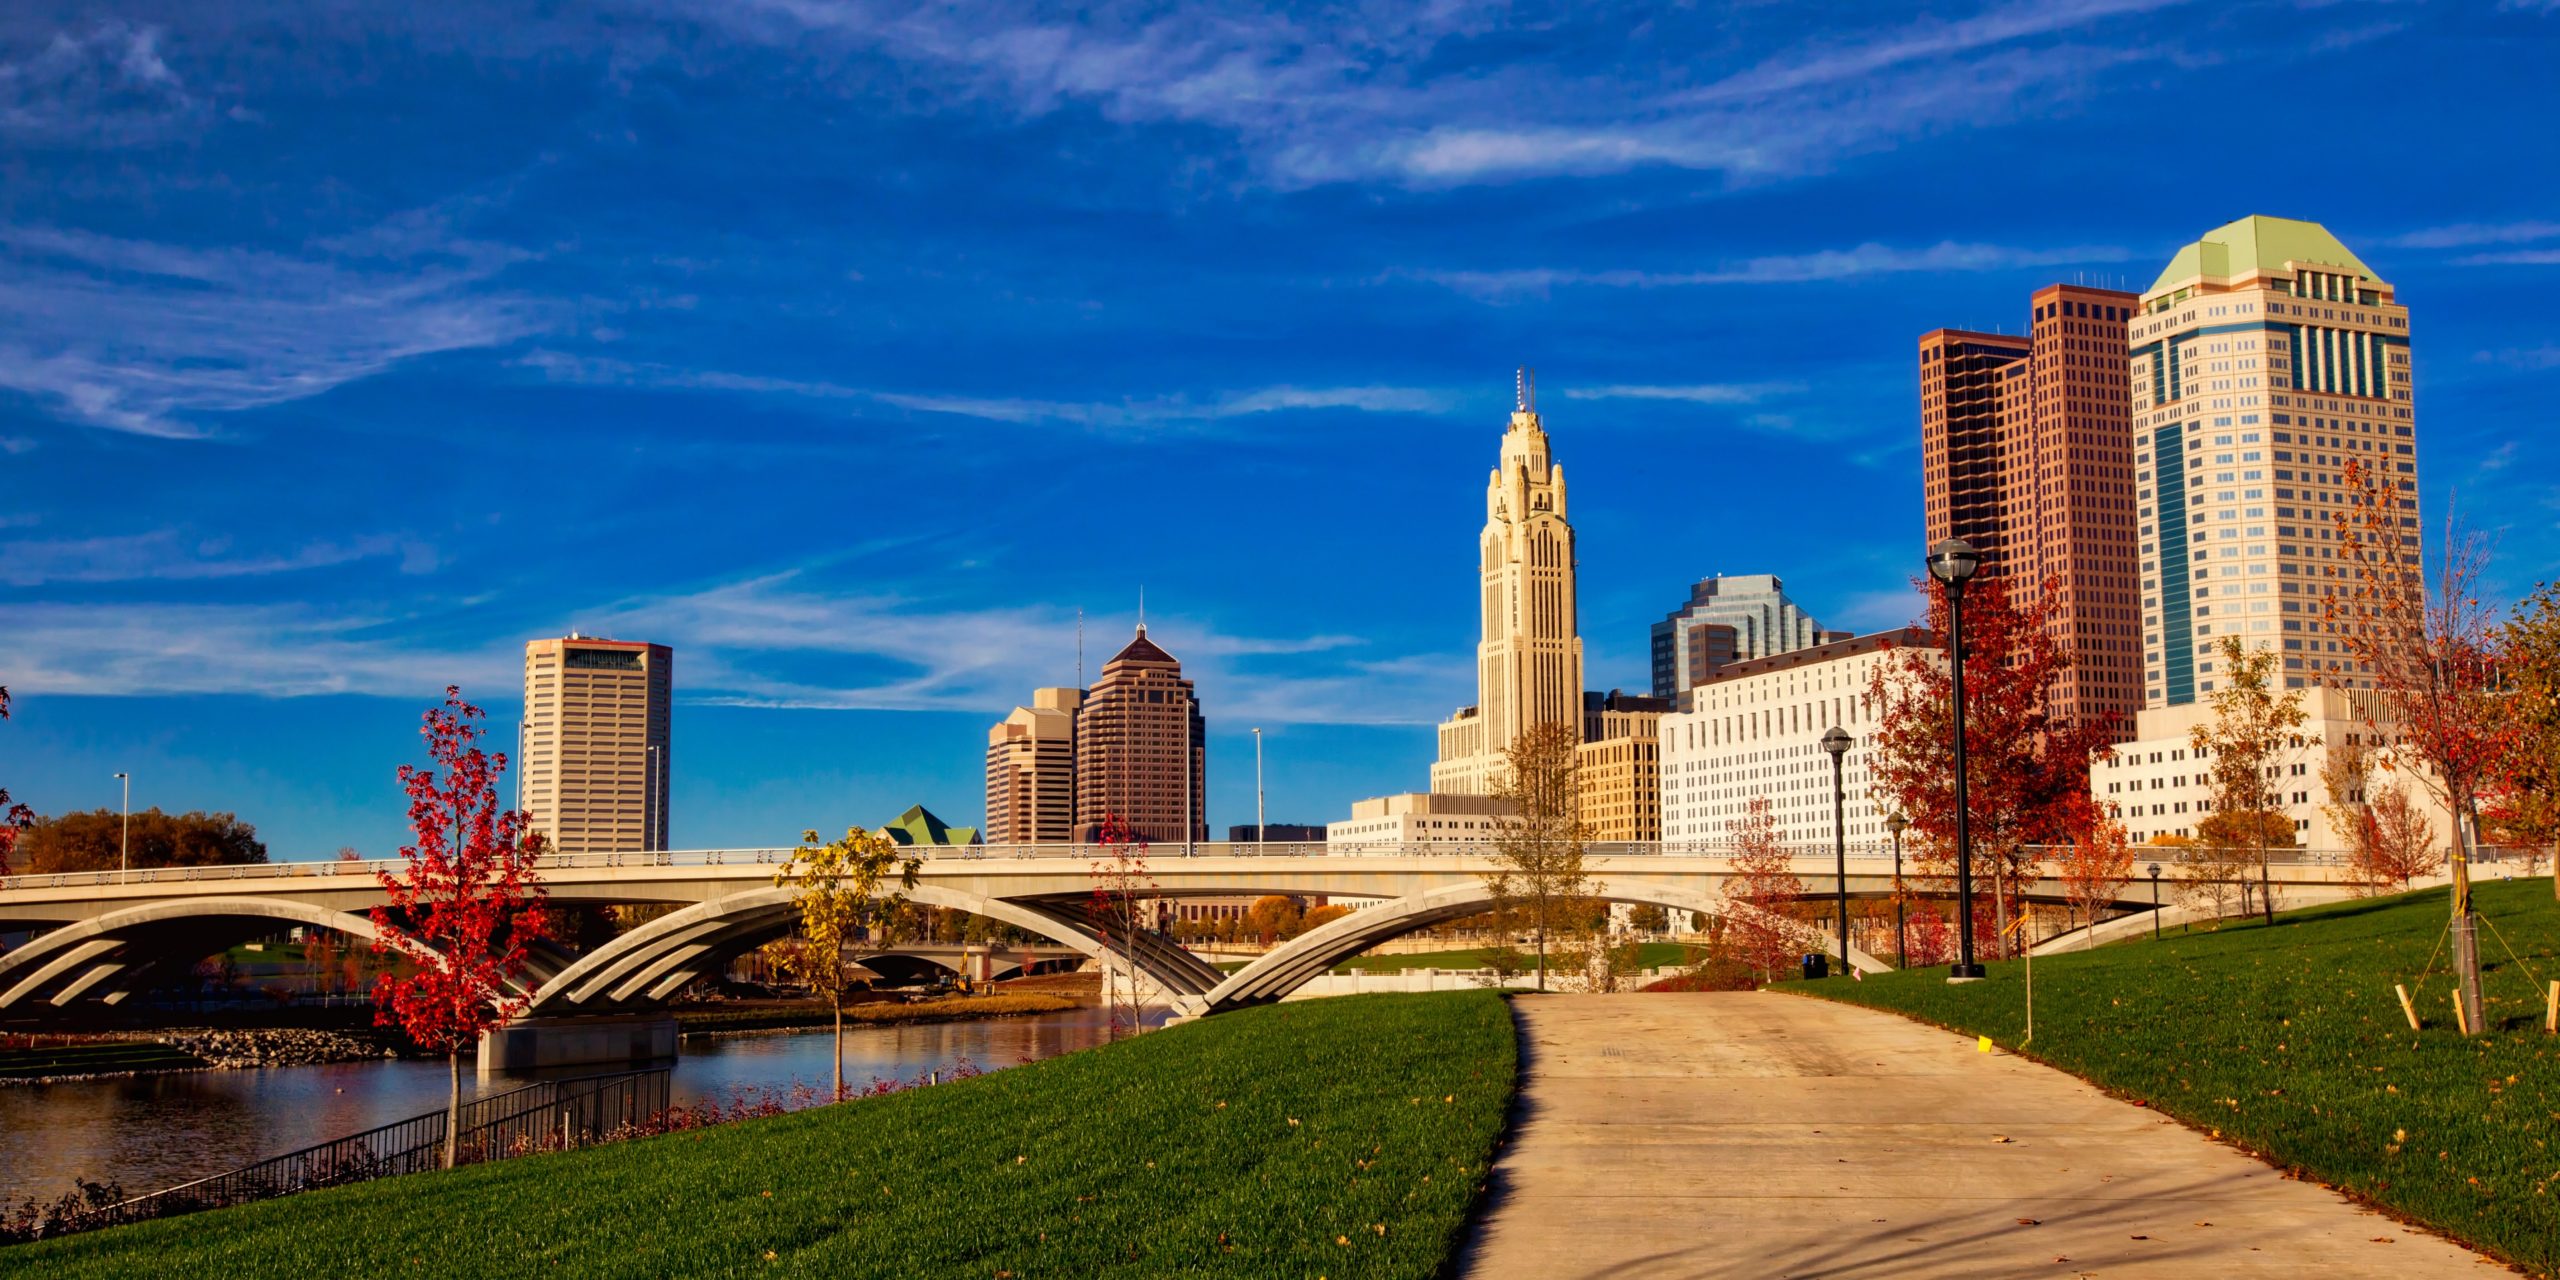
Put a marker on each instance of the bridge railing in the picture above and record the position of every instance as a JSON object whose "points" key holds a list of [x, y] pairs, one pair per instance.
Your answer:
{"points": [[550, 1113], [1811, 855]]}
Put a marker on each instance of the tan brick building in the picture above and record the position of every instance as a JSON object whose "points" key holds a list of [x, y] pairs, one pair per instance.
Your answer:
{"points": [[2027, 453], [1618, 767], [1031, 771], [592, 765]]}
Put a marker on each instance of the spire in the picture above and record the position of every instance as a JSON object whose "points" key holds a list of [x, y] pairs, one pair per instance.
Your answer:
{"points": [[1142, 609], [1524, 390]]}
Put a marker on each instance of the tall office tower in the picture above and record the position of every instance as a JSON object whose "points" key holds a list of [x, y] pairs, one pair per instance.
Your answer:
{"points": [[1529, 664], [1142, 748], [592, 764], [2026, 453], [1729, 619], [1031, 771], [2265, 357]]}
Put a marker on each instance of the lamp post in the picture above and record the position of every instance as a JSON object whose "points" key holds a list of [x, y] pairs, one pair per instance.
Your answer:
{"points": [[1260, 836], [1835, 744], [124, 835], [1895, 823], [2155, 902], [1952, 562]]}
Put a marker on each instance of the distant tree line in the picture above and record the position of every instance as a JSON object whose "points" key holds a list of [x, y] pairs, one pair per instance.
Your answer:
{"points": [[88, 841]]}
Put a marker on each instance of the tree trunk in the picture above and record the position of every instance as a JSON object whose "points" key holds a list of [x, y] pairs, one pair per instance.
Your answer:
{"points": [[2266, 885], [452, 1107], [1542, 944], [839, 1002], [2466, 942]]}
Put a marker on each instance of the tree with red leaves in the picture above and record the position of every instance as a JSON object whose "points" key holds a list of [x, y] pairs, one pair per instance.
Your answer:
{"points": [[465, 908], [1765, 886], [2027, 774], [2430, 653], [2095, 870], [13, 816], [1122, 892]]}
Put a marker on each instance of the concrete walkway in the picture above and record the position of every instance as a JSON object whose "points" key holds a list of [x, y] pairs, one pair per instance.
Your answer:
{"points": [[1755, 1135]]}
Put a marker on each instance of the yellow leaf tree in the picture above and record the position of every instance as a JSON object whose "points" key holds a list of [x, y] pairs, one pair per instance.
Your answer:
{"points": [[845, 892]]}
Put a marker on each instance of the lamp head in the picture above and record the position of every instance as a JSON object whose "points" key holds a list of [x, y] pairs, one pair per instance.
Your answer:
{"points": [[1896, 823], [1953, 561], [2155, 871], [1836, 742]]}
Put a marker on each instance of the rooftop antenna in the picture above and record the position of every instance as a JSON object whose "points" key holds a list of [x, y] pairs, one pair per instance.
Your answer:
{"points": [[1142, 609]]}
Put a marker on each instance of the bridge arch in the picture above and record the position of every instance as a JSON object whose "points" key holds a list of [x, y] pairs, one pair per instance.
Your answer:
{"points": [[1317, 951], [110, 955], [666, 954]]}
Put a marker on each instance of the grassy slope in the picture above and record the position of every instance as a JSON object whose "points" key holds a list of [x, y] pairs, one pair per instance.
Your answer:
{"points": [[2289, 1042], [1650, 955], [1232, 1146]]}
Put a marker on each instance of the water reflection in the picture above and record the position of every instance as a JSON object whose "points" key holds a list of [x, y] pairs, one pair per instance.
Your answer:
{"points": [[155, 1131]]}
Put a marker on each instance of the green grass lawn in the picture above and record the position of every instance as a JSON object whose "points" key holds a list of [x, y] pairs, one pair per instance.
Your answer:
{"points": [[2289, 1042], [1336, 1138]]}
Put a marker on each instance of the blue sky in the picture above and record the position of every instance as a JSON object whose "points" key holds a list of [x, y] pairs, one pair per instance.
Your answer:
{"points": [[851, 348]]}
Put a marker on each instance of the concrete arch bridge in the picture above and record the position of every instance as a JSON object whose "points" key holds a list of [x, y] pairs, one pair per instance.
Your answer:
{"points": [[105, 937]]}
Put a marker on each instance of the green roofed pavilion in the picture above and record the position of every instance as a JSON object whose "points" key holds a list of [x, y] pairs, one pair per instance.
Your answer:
{"points": [[2259, 244], [918, 826]]}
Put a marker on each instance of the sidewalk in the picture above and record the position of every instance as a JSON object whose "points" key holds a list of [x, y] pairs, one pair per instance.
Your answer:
{"points": [[1757, 1135]]}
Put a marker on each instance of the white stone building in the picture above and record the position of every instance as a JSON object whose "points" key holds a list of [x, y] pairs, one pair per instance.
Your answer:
{"points": [[1755, 729], [1415, 819]]}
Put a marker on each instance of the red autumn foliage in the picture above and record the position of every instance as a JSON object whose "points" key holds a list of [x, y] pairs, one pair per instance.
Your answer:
{"points": [[2028, 775], [467, 905], [1122, 890], [1764, 884]]}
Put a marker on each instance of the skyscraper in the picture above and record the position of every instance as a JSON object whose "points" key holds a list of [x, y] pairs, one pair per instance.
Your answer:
{"points": [[2265, 357], [1141, 749], [1529, 663], [1728, 619], [1031, 771], [593, 764], [2026, 453]]}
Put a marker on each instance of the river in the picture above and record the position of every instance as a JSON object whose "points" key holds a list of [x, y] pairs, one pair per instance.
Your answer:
{"points": [[150, 1132]]}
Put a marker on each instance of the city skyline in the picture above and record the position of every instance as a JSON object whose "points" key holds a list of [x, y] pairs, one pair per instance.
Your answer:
{"points": [[263, 443]]}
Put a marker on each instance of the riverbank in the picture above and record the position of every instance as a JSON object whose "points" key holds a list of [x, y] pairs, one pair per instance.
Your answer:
{"points": [[801, 1015], [1345, 1138], [62, 1059]]}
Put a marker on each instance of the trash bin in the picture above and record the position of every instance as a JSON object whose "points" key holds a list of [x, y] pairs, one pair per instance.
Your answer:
{"points": [[1817, 966]]}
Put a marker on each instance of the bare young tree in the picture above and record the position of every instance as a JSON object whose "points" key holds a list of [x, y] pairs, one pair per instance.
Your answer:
{"points": [[2428, 652], [1538, 846], [2390, 842], [2255, 726]]}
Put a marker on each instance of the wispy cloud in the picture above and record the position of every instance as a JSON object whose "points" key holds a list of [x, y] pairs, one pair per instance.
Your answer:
{"points": [[2511, 258], [1795, 268], [105, 86], [171, 556], [782, 640], [2465, 235], [1167, 410], [2545, 357], [1408, 93], [1695, 393], [146, 337]]}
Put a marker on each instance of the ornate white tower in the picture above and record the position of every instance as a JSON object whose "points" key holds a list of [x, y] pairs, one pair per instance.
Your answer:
{"points": [[1529, 665]]}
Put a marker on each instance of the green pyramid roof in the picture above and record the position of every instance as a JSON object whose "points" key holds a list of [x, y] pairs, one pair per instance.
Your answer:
{"points": [[918, 826], [2259, 243]]}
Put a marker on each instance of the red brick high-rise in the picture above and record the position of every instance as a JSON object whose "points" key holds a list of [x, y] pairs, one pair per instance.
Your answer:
{"points": [[1142, 749], [2027, 453]]}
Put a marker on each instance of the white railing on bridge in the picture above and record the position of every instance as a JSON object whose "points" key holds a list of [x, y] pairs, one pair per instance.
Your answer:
{"points": [[1807, 859]]}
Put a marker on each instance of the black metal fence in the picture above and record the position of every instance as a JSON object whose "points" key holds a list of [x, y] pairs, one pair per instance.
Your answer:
{"points": [[550, 1115]]}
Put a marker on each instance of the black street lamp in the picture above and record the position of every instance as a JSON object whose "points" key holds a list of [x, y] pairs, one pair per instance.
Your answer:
{"points": [[1895, 823], [1836, 745], [2155, 902], [1952, 562]]}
